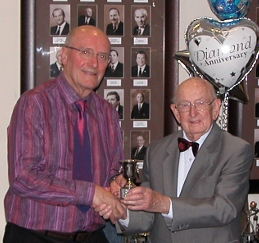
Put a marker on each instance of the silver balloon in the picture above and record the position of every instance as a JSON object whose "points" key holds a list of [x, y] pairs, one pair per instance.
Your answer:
{"points": [[239, 92], [183, 58], [223, 52]]}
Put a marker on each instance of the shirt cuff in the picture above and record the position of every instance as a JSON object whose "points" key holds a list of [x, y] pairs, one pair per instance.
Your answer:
{"points": [[170, 213], [84, 192], [125, 222]]}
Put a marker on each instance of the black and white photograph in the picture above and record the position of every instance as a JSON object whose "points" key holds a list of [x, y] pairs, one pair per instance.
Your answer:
{"points": [[141, 20], [116, 98], [115, 67], [140, 104], [87, 15], [56, 65], [139, 142], [256, 103], [59, 19], [140, 62], [114, 20]]}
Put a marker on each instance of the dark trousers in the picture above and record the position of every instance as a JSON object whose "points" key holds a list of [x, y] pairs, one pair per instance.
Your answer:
{"points": [[17, 234]]}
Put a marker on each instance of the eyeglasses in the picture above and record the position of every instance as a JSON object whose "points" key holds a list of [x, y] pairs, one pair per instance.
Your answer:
{"points": [[199, 106], [88, 54]]}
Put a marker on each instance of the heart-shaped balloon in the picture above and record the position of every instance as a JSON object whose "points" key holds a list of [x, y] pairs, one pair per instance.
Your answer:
{"points": [[238, 93], [229, 9], [223, 52]]}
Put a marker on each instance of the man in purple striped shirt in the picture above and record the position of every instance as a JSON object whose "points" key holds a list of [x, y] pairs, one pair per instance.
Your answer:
{"points": [[42, 202]]}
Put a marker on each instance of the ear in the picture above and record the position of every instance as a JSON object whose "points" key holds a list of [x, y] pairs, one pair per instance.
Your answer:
{"points": [[216, 108], [176, 113], [64, 55]]}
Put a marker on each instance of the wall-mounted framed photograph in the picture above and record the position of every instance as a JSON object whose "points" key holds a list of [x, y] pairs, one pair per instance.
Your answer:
{"points": [[41, 39]]}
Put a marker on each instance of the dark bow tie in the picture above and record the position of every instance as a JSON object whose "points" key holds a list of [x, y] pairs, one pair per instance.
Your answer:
{"points": [[183, 145]]}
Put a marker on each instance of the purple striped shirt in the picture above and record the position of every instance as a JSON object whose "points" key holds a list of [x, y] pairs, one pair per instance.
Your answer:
{"points": [[42, 194]]}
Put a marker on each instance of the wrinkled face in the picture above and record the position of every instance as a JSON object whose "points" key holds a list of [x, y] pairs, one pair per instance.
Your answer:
{"points": [[195, 122], [114, 57], [140, 18], [140, 141], [114, 16], [85, 72], [141, 59], [59, 17], [88, 12], [139, 98], [112, 99]]}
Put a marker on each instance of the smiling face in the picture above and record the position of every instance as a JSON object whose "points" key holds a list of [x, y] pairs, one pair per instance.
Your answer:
{"points": [[59, 17], [58, 57], [88, 12], [196, 123], [140, 98], [112, 99], [114, 16], [140, 17], [140, 141], [114, 57], [85, 73], [141, 59]]}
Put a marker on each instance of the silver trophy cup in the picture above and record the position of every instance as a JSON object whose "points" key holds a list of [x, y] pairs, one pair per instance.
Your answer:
{"points": [[129, 171]]}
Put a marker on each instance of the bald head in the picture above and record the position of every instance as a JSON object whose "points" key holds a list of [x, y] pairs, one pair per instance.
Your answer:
{"points": [[195, 107], [85, 57], [86, 31], [193, 83]]}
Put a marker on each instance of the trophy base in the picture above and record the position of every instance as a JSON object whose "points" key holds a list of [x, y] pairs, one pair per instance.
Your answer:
{"points": [[124, 192]]}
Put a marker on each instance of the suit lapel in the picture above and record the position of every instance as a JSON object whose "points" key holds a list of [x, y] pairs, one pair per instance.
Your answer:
{"points": [[203, 161]]}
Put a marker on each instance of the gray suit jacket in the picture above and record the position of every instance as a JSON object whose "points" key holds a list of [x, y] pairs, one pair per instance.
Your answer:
{"points": [[209, 207]]}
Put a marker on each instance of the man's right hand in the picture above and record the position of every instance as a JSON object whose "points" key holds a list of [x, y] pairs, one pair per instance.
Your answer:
{"points": [[115, 209]]}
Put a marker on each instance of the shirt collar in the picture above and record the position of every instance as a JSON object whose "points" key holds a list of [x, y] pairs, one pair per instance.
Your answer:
{"points": [[115, 64], [69, 94], [201, 140], [142, 67], [62, 25]]}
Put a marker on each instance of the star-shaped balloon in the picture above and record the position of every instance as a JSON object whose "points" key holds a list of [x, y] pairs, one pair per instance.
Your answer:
{"points": [[229, 9]]}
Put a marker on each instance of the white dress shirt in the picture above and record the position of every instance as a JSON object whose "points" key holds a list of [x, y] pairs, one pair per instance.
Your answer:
{"points": [[185, 162], [62, 27]]}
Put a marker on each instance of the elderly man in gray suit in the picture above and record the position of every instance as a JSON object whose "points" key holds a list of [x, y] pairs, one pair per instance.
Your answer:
{"points": [[191, 196]]}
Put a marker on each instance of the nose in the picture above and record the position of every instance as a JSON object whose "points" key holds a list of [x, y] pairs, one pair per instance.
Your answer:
{"points": [[93, 61], [193, 111]]}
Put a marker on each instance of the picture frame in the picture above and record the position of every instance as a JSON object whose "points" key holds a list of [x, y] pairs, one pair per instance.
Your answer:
{"points": [[35, 57]]}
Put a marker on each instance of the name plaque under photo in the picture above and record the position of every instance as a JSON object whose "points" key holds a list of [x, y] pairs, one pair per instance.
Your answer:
{"points": [[139, 124], [115, 41], [59, 40], [113, 82], [140, 82], [140, 41], [140, 1]]}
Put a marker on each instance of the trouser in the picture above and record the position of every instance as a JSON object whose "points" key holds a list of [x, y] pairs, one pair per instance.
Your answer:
{"points": [[17, 234]]}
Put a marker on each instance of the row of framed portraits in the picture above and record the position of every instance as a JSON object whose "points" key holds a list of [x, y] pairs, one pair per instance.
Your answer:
{"points": [[140, 59], [139, 104], [113, 19], [125, 84]]}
